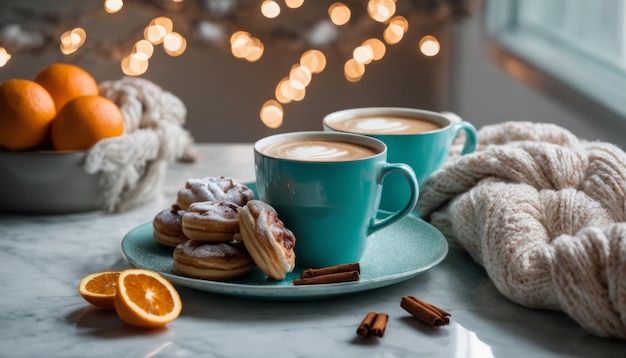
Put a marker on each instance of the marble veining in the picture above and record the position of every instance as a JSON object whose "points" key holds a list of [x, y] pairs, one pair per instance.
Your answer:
{"points": [[42, 258]]}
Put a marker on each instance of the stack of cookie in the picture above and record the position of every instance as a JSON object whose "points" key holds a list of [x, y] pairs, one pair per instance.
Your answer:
{"points": [[220, 232]]}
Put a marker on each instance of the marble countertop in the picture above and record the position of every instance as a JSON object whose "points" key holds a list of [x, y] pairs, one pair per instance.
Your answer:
{"points": [[42, 258]]}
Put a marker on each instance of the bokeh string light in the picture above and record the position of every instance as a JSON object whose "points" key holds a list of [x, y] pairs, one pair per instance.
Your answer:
{"points": [[245, 46], [293, 87], [272, 114], [339, 13], [429, 46], [113, 6], [270, 9], [395, 30], [4, 56], [72, 40], [381, 10], [160, 31], [294, 4], [230, 20], [174, 44]]}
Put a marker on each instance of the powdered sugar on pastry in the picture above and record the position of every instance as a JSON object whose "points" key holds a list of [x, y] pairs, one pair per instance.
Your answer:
{"points": [[213, 189], [167, 226], [214, 221], [221, 261], [226, 252], [214, 211], [170, 216], [267, 239]]}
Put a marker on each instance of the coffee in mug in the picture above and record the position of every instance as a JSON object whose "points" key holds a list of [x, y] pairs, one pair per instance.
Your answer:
{"points": [[318, 150], [326, 188], [419, 138], [384, 125]]}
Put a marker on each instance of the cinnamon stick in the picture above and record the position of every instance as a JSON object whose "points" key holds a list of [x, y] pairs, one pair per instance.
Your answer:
{"points": [[373, 324], [366, 324], [425, 312], [328, 278], [313, 272], [444, 314], [380, 324]]}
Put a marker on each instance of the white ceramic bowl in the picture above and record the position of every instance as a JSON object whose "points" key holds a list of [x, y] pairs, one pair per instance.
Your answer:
{"points": [[47, 182]]}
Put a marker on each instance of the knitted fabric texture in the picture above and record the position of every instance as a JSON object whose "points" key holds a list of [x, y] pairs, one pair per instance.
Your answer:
{"points": [[545, 214], [133, 165]]}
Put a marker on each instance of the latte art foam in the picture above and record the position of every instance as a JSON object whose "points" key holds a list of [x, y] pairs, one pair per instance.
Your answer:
{"points": [[384, 125], [318, 151], [314, 152], [379, 125]]}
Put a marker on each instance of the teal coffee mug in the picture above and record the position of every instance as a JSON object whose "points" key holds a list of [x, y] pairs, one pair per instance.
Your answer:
{"points": [[419, 138], [326, 188]]}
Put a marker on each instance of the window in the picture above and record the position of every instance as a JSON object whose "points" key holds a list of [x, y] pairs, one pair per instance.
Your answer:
{"points": [[581, 43]]}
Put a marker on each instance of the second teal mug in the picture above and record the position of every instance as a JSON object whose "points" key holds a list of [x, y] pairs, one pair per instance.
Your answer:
{"points": [[419, 138]]}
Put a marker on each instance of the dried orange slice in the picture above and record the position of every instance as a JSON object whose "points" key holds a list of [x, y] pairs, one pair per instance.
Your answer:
{"points": [[99, 288], [146, 299]]}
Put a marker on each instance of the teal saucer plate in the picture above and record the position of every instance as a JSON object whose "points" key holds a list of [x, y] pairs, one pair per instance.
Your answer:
{"points": [[394, 254]]}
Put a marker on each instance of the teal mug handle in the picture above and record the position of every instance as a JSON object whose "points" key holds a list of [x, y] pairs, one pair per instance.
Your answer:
{"points": [[409, 175], [471, 139], [458, 124]]}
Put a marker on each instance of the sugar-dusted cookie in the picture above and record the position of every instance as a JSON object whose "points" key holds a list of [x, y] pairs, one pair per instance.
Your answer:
{"points": [[213, 221], [213, 189], [212, 261], [167, 226]]}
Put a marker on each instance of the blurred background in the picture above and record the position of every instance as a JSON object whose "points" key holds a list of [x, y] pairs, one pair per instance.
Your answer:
{"points": [[455, 55]]}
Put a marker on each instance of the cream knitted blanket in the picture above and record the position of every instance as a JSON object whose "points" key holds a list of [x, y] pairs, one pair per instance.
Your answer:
{"points": [[133, 165], [545, 214]]}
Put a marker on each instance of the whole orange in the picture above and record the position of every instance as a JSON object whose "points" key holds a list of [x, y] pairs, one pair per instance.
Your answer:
{"points": [[26, 111], [65, 82], [84, 121]]}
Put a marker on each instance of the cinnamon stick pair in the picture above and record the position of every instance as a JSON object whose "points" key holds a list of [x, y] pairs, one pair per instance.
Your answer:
{"points": [[425, 312], [373, 324], [330, 274]]}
